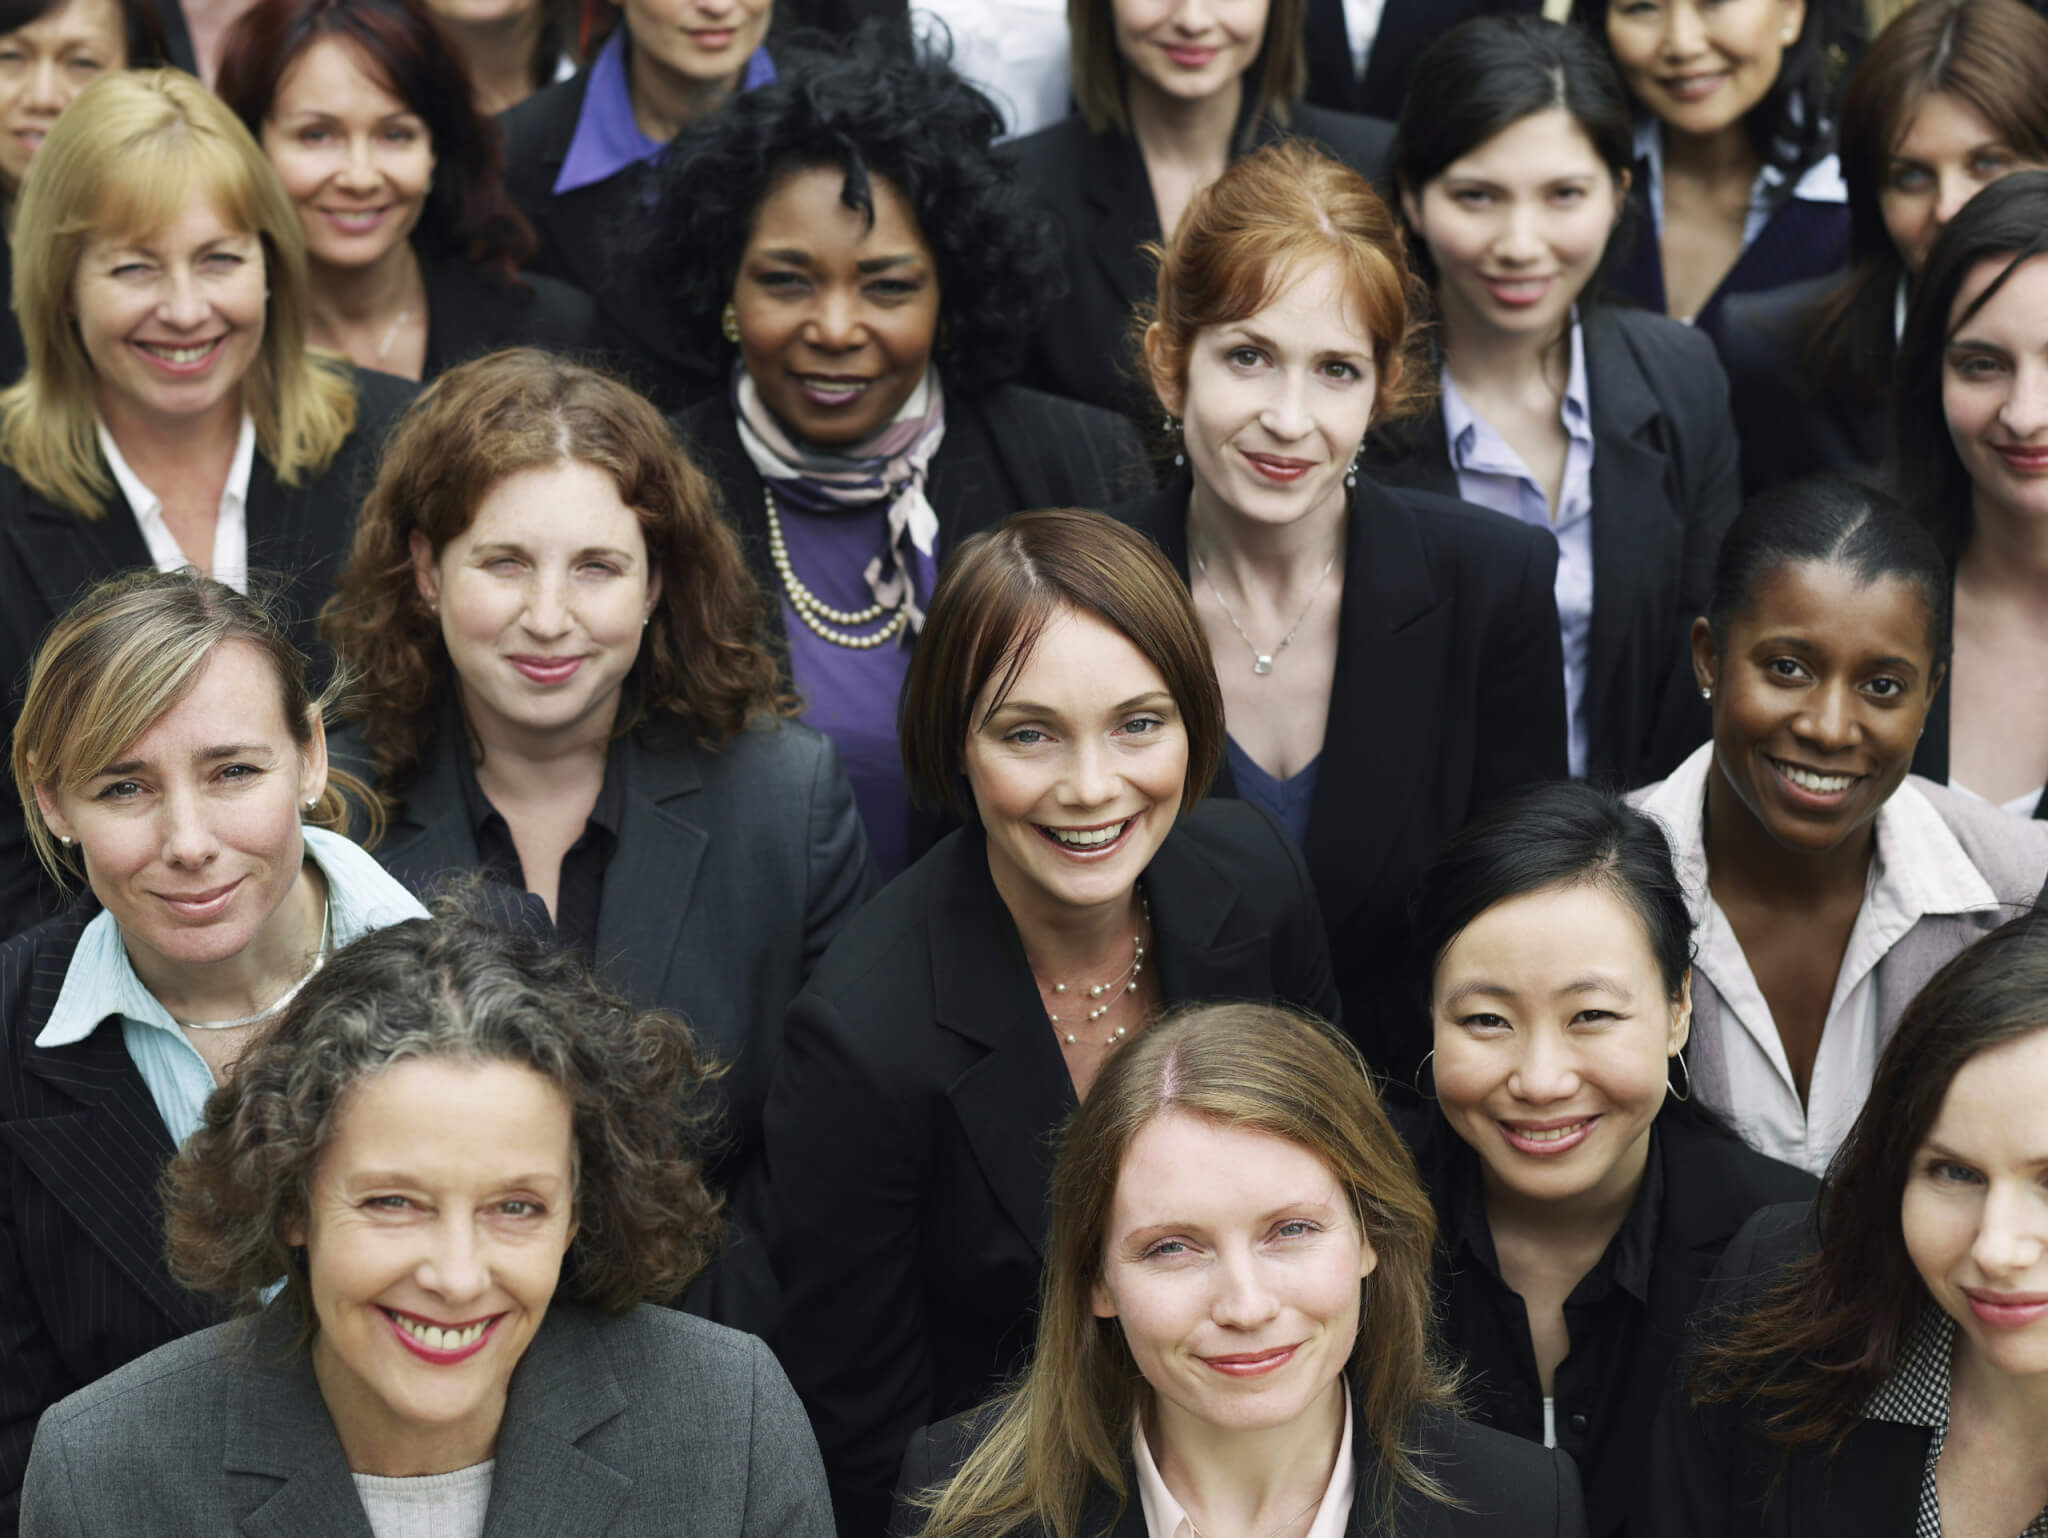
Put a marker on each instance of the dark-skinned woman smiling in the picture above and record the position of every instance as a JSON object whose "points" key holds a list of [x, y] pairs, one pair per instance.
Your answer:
{"points": [[1826, 884]]}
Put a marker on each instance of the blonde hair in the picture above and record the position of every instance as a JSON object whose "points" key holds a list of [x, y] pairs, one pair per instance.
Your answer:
{"points": [[137, 149], [123, 655], [1064, 1428]]}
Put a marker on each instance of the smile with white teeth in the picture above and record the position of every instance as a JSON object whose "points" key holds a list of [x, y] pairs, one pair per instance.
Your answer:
{"points": [[1086, 838], [1550, 1135], [434, 1338], [1819, 784], [170, 354]]}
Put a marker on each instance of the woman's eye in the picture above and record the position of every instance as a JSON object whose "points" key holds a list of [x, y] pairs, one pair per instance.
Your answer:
{"points": [[1568, 194], [1977, 367], [601, 568], [1295, 1228], [1471, 197], [1987, 166], [894, 288], [84, 65], [1909, 178], [782, 282], [1483, 1022], [517, 1207], [119, 790], [1141, 726], [224, 260], [1594, 1016], [1785, 668], [1337, 369], [388, 1203], [1951, 1173], [1025, 736], [239, 772], [1166, 1249], [1244, 357], [1886, 688], [401, 135], [311, 134]]}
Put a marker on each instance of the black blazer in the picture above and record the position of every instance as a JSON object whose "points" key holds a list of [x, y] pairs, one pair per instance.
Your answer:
{"points": [[1406, 28], [594, 238], [1665, 489], [472, 311], [1095, 187], [1786, 431], [1711, 1182], [83, 1285], [1449, 690], [1714, 1474], [1500, 1486], [908, 1134], [49, 555]]}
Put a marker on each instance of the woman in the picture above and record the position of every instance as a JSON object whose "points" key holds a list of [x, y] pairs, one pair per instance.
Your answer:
{"points": [[1232, 1185], [472, 1166], [510, 48], [1971, 430], [1889, 1380], [413, 247], [1339, 610], [171, 414], [1735, 164], [1946, 102], [1169, 94], [1606, 425], [1581, 1194], [583, 161], [1825, 883], [581, 708], [871, 302], [170, 755], [1063, 696]]}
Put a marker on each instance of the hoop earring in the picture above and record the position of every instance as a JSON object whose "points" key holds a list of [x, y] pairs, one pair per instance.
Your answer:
{"points": [[729, 323], [1679, 1055], [1416, 1083]]}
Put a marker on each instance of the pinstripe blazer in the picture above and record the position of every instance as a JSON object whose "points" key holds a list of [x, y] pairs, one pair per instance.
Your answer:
{"points": [[83, 1286]]}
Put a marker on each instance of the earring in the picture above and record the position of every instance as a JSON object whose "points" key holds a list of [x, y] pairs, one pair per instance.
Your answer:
{"points": [[1420, 1069], [1685, 1072], [1706, 692], [1171, 428], [311, 802], [1351, 470], [64, 839], [729, 323]]}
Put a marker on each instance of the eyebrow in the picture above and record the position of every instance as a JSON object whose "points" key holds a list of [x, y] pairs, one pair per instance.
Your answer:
{"points": [[1592, 982], [1941, 1150], [1152, 698], [531, 1179], [1259, 339], [1793, 643], [202, 756], [514, 547], [797, 257]]}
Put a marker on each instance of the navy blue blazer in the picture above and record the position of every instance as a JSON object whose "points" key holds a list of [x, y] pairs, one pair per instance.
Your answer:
{"points": [[1406, 28]]}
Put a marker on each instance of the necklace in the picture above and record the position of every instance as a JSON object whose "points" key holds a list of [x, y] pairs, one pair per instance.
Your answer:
{"points": [[397, 326], [814, 612], [276, 1005], [1124, 982], [1262, 662]]}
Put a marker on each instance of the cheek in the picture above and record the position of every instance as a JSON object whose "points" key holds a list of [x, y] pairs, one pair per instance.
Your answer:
{"points": [[1935, 1237], [1464, 1072]]}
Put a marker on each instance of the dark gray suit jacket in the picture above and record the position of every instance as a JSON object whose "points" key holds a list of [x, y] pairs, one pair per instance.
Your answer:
{"points": [[655, 1423]]}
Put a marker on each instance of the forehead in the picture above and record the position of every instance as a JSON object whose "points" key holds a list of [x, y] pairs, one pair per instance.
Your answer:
{"points": [[455, 1119], [1315, 305], [1834, 610], [1535, 941], [566, 505], [802, 209], [1538, 148], [235, 697], [1079, 666], [2017, 314], [1181, 1166], [77, 20], [168, 200], [334, 74], [1943, 121], [1996, 1108]]}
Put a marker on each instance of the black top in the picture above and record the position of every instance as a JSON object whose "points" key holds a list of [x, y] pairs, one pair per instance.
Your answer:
{"points": [[472, 311], [1406, 28], [909, 1127], [1096, 189], [1665, 489], [1625, 1318], [1449, 690], [13, 352], [1500, 1486]]}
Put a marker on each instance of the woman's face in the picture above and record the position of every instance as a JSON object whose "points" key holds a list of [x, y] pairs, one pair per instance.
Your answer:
{"points": [[1232, 1262], [1946, 153], [356, 161], [1821, 687], [1188, 50], [702, 42], [1517, 226], [1274, 407], [542, 601], [171, 319], [1078, 774], [1554, 1034], [837, 315], [1702, 65], [1994, 387], [437, 1220], [46, 63], [1975, 1210], [191, 837]]}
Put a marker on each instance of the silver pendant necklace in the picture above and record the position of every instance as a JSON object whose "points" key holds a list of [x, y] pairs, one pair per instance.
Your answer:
{"points": [[276, 1006], [1262, 662]]}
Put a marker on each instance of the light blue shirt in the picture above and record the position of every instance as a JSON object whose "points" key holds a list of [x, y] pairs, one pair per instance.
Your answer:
{"points": [[100, 982], [1493, 475]]}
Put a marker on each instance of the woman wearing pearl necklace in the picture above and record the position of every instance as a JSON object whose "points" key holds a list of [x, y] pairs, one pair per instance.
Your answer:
{"points": [[1062, 697]]}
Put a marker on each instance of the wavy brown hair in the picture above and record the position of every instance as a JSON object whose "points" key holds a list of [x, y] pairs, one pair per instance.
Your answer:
{"points": [[701, 658], [1063, 1431], [455, 987]]}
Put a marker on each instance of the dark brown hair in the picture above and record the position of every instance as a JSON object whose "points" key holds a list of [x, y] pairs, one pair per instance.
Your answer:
{"points": [[1816, 1347], [999, 591], [1096, 69], [701, 658]]}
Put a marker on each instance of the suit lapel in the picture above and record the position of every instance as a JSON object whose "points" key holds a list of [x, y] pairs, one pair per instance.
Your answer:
{"points": [[278, 1431], [652, 878], [544, 1485], [431, 836], [1192, 900], [69, 552], [1122, 215]]}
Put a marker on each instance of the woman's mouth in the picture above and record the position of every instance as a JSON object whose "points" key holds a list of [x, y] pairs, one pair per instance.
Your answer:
{"points": [[1190, 57], [355, 221], [547, 670], [200, 905], [1518, 293], [832, 390], [1547, 1139], [1252, 1364], [1813, 788], [1278, 468], [1693, 87], [442, 1344], [181, 359], [2008, 1310], [2024, 458], [1094, 843], [714, 41]]}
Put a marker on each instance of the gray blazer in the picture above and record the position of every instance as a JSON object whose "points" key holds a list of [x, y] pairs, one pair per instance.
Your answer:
{"points": [[656, 1423]]}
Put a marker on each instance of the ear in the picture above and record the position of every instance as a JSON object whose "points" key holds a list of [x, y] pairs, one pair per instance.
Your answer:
{"points": [[426, 570], [46, 803], [1368, 1257], [1100, 1303], [653, 590], [1411, 210], [1934, 684], [1623, 180], [313, 760], [1681, 1018], [295, 1230], [1706, 663], [1167, 389]]}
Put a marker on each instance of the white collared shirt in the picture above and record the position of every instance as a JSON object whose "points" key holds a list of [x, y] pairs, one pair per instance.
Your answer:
{"points": [[1014, 52], [1917, 868], [1166, 1518], [1362, 29], [229, 560]]}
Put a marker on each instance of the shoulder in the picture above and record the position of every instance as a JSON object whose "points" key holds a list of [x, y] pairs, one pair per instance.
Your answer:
{"points": [[381, 399], [1234, 836], [1719, 1180], [766, 762], [1774, 1239], [1504, 1484], [563, 314], [659, 1352], [540, 127], [2011, 853], [1774, 314], [1046, 158], [32, 967], [180, 1384], [1052, 418], [887, 944], [1662, 345], [1452, 527], [1361, 142]]}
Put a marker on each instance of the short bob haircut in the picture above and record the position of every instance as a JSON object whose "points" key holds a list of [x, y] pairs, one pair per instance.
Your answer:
{"points": [[122, 655], [1991, 55], [132, 152], [1815, 1348], [454, 988], [874, 107], [701, 658], [468, 214], [1257, 1067], [2008, 223], [1250, 232], [1099, 76], [1000, 590]]}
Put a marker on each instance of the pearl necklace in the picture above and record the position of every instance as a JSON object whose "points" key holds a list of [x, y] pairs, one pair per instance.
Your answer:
{"points": [[1124, 982], [813, 611], [276, 1006]]}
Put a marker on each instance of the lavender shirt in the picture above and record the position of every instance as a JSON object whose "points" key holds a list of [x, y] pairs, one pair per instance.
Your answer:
{"points": [[608, 137]]}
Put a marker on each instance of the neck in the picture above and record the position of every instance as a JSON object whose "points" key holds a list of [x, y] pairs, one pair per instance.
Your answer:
{"points": [[665, 103], [255, 976], [1588, 1220], [349, 298], [1068, 944], [1726, 153], [1235, 1481], [535, 766], [208, 22], [163, 451], [1739, 849], [1175, 131], [2007, 552], [374, 1441], [499, 55], [1285, 557], [1498, 362]]}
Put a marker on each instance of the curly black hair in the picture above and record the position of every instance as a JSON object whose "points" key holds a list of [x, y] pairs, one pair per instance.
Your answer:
{"points": [[872, 105]]}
